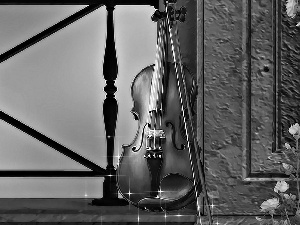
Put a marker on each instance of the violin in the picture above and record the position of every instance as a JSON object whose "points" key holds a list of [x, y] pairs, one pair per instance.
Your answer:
{"points": [[155, 171], [156, 164]]}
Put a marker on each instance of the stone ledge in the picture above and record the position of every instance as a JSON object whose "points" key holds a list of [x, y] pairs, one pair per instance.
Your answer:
{"points": [[80, 210]]}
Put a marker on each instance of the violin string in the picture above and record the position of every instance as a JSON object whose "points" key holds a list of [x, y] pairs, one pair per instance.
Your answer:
{"points": [[156, 87], [162, 74], [156, 90], [181, 73], [155, 71], [153, 82], [159, 73], [156, 82], [165, 59], [157, 76], [160, 65]]}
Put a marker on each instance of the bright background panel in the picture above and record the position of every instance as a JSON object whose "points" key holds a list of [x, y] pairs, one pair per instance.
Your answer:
{"points": [[56, 87]]}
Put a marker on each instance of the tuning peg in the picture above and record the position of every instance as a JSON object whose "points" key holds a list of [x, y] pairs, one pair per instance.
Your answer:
{"points": [[157, 15], [170, 2], [182, 12], [181, 18]]}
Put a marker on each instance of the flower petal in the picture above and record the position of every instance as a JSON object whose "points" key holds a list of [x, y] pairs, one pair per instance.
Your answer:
{"points": [[287, 146], [281, 186], [258, 218], [286, 196], [291, 8]]}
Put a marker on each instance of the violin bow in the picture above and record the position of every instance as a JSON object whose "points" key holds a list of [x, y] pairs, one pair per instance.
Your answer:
{"points": [[198, 169]]}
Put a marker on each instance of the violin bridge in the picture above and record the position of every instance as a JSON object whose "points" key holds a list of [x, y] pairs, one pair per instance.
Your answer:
{"points": [[156, 134], [154, 142]]}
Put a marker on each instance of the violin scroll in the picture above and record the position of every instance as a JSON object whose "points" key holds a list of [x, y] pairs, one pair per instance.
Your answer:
{"points": [[174, 14]]}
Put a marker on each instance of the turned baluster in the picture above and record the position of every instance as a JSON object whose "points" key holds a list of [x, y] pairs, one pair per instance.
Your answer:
{"points": [[110, 111]]}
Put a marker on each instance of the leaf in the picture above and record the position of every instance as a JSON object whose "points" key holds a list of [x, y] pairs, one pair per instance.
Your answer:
{"points": [[287, 172], [288, 168], [267, 222], [286, 156], [291, 9], [293, 177]]}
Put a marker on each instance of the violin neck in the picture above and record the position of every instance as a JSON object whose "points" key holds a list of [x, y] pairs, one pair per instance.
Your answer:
{"points": [[160, 75]]}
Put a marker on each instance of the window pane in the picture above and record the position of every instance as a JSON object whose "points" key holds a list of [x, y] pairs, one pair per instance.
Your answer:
{"points": [[56, 87], [18, 23], [21, 152]]}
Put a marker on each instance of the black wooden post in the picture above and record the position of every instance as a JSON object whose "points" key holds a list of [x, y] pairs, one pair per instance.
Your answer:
{"points": [[110, 112]]}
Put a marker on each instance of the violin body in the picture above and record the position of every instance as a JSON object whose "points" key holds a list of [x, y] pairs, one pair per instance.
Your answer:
{"points": [[161, 181]]}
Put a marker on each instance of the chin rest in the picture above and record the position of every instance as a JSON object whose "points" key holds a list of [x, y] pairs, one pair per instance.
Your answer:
{"points": [[172, 188]]}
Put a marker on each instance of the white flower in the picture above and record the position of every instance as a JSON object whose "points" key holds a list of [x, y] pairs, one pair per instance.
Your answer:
{"points": [[286, 196], [287, 146], [287, 167], [298, 24], [291, 8], [281, 186], [258, 218], [295, 130], [269, 205]]}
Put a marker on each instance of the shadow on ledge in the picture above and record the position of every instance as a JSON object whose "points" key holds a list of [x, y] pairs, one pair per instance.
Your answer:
{"points": [[61, 210]]}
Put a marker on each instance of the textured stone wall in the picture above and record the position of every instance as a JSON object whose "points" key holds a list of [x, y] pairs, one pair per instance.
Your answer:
{"points": [[222, 105], [238, 80], [290, 79], [225, 92]]}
